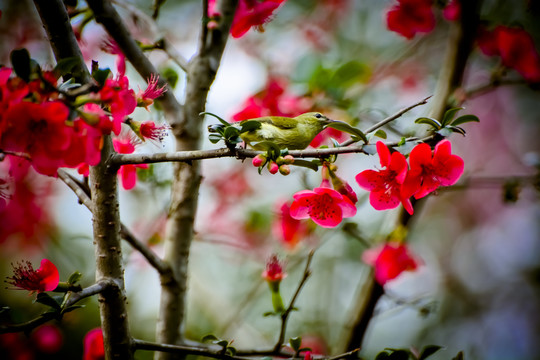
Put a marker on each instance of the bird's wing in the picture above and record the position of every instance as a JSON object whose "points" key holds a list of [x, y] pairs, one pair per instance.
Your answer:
{"points": [[278, 121]]}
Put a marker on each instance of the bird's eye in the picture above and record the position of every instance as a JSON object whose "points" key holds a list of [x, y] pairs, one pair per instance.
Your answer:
{"points": [[318, 116]]}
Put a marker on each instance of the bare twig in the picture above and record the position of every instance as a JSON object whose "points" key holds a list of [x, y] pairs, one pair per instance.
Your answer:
{"points": [[287, 312], [491, 85]]}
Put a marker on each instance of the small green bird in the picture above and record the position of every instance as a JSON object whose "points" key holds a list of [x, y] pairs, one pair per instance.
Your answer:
{"points": [[291, 133]]}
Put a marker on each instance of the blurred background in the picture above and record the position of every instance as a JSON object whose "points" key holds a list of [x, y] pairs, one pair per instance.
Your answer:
{"points": [[477, 290]]}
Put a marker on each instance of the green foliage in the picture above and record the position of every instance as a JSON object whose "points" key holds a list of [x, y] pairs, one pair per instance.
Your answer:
{"points": [[20, 59], [226, 345], [405, 354], [357, 134], [229, 133], [448, 126]]}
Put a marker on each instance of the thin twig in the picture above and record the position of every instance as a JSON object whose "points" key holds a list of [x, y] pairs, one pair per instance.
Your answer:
{"points": [[74, 298], [395, 116], [286, 313], [491, 85]]}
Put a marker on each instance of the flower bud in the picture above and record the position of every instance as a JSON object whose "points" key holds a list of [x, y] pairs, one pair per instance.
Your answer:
{"points": [[284, 169], [273, 167], [258, 160], [288, 159]]}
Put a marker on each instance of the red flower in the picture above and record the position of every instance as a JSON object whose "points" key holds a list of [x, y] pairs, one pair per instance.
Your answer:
{"points": [[252, 13], [148, 130], [326, 207], [487, 42], [389, 260], [120, 99], [45, 278], [410, 17], [274, 270], [152, 92], [47, 339], [452, 11], [427, 173], [385, 185], [127, 173], [39, 130], [93, 345], [518, 52], [288, 229]]}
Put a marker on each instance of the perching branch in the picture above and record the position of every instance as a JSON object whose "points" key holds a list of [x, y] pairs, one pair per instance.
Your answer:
{"points": [[73, 299]]}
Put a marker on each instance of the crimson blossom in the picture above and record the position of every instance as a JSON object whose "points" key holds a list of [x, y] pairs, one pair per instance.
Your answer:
{"points": [[94, 348], [46, 278], [385, 185], [288, 229], [326, 207], [389, 261], [127, 173], [428, 171], [410, 17], [274, 270]]}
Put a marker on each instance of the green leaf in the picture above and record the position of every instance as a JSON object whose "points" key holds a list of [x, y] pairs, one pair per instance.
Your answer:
{"points": [[428, 121], [382, 355], [216, 128], [399, 355], [71, 308], [65, 66], [209, 338], [449, 115], [20, 59], [445, 132], [171, 76], [307, 164], [74, 278], [343, 126], [217, 117], [380, 133], [231, 350], [459, 356], [230, 132], [46, 299], [295, 343], [465, 119], [100, 75], [214, 138], [456, 129], [249, 125], [429, 350], [269, 313], [222, 343]]}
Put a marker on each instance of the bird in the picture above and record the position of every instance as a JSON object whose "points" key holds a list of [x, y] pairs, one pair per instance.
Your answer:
{"points": [[285, 132]]}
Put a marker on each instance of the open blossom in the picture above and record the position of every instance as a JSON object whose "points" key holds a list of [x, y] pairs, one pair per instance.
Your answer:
{"points": [[428, 171], [94, 348], [274, 270], [46, 278], [120, 99], [385, 185], [326, 207], [288, 229], [389, 261], [516, 48], [153, 91], [47, 339], [409, 17], [127, 173]]}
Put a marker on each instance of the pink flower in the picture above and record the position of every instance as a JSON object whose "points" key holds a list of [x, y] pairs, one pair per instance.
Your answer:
{"points": [[94, 348], [385, 185], [410, 17], [258, 160], [429, 172], [152, 92], [289, 230], [452, 11], [274, 270], [252, 13], [389, 261], [127, 173], [47, 338], [46, 278], [110, 46], [326, 207]]}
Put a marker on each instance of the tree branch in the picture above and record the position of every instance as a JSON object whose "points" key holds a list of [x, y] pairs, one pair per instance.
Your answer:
{"points": [[74, 298]]}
